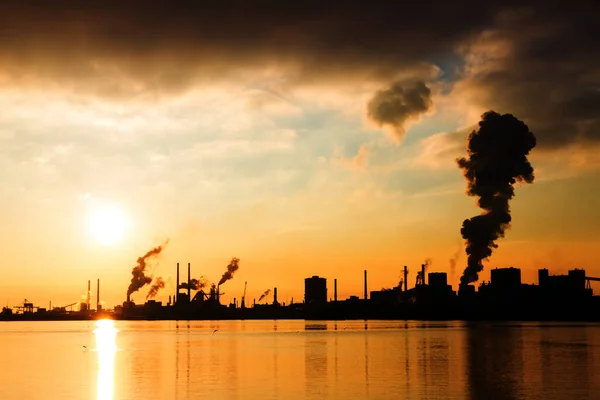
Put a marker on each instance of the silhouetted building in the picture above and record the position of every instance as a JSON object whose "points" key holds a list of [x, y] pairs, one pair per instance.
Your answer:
{"points": [[506, 278], [438, 279], [315, 290], [574, 281]]}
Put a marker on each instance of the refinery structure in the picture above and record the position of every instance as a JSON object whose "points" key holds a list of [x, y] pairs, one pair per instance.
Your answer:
{"points": [[504, 297]]}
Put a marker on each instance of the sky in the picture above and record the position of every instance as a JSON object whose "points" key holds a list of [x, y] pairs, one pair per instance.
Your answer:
{"points": [[313, 138]]}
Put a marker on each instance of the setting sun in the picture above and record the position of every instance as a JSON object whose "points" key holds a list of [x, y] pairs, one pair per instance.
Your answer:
{"points": [[108, 225]]}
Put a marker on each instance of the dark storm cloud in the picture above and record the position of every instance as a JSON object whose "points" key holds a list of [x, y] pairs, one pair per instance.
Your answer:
{"points": [[542, 64], [118, 48], [398, 104]]}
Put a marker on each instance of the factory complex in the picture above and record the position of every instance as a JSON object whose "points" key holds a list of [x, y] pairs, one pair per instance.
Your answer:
{"points": [[555, 297]]}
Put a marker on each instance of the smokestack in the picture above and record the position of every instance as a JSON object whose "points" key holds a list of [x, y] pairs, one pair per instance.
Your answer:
{"points": [[98, 296], [189, 282], [422, 274], [177, 286], [405, 278], [128, 297], [335, 290], [365, 284], [89, 294], [275, 296]]}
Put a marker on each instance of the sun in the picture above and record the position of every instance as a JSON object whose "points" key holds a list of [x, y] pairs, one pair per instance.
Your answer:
{"points": [[108, 225]]}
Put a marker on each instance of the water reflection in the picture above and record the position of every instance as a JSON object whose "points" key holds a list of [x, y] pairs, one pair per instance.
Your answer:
{"points": [[495, 361], [106, 347]]}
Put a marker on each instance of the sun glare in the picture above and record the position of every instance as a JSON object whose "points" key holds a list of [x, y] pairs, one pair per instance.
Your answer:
{"points": [[108, 225], [106, 347]]}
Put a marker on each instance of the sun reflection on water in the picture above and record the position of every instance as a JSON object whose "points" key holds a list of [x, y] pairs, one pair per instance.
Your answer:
{"points": [[106, 347]]}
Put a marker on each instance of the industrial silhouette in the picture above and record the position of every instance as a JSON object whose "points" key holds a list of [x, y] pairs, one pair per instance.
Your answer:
{"points": [[505, 297]]}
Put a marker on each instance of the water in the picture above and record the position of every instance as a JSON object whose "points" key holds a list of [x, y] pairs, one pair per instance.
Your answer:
{"points": [[298, 360]]}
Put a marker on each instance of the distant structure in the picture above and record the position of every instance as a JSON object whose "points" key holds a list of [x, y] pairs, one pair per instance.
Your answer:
{"points": [[315, 290]]}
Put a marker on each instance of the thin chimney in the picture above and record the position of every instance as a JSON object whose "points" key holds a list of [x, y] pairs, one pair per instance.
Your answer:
{"points": [[335, 290], [98, 296], [275, 296], [189, 282], [177, 286], [422, 274], [405, 278], [365, 284], [88, 295]]}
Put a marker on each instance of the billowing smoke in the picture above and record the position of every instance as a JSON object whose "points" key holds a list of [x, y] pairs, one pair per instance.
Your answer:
{"points": [[497, 160], [401, 102], [195, 284], [231, 268], [265, 294], [139, 278], [158, 284]]}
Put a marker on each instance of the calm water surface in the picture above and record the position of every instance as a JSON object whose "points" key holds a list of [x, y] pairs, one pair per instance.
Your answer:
{"points": [[298, 360]]}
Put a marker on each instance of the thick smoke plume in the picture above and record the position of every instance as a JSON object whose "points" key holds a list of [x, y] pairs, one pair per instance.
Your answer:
{"points": [[195, 284], [497, 160], [265, 294], [139, 278], [231, 268], [158, 284]]}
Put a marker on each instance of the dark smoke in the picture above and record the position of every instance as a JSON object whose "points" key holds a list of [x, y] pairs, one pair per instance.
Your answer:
{"points": [[497, 160], [231, 268], [398, 104], [159, 283], [427, 263], [139, 279], [265, 294], [195, 284]]}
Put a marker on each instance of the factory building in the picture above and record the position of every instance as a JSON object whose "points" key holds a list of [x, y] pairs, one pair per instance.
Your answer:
{"points": [[315, 290], [506, 278]]}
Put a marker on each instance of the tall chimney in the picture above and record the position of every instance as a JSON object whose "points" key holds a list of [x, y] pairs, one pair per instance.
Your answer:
{"points": [[98, 296], [405, 278], [365, 284], [189, 283], [335, 290], [275, 296], [177, 286], [423, 274], [89, 292]]}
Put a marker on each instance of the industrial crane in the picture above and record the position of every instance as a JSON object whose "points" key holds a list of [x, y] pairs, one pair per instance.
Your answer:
{"points": [[244, 296]]}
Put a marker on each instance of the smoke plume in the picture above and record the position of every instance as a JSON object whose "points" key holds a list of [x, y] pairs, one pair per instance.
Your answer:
{"points": [[497, 160], [453, 262], [158, 284], [195, 284], [231, 268], [139, 278], [265, 294], [398, 104], [427, 263]]}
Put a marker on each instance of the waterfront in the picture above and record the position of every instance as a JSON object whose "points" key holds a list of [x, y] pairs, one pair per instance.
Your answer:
{"points": [[299, 360]]}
